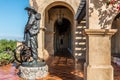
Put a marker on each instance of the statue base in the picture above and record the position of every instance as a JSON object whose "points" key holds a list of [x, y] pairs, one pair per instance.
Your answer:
{"points": [[33, 73]]}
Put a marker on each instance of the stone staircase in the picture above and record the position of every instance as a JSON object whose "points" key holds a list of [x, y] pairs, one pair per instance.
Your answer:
{"points": [[80, 41]]}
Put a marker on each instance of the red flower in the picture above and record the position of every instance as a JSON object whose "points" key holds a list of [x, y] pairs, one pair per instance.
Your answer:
{"points": [[118, 7], [112, 1]]}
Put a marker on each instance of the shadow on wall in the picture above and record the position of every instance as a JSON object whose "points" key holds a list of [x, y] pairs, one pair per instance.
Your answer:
{"points": [[105, 12]]}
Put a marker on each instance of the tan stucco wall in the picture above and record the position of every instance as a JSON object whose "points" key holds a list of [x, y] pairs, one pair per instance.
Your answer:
{"points": [[99, 19], [100, 15], [42, 6], [98, 59]]}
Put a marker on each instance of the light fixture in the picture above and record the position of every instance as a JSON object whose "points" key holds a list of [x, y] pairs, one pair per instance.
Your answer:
{"points": [[60, 16]]}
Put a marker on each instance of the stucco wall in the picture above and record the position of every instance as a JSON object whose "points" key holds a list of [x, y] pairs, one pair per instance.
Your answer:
{"points": [[43, 6]]}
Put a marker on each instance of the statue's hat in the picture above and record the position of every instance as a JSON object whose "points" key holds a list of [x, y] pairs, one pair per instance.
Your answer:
{"points": [[30, 9]]}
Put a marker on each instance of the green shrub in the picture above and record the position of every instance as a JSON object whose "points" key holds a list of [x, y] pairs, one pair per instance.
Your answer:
{"points": [[6, 51], [6, 58], [7, 44]]}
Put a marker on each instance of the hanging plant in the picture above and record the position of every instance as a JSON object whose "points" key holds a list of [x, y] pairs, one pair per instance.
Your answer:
{"points": [[114, 3]]}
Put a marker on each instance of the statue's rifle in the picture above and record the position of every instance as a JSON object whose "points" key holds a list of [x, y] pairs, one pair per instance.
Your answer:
{"points": [[28, 26]]}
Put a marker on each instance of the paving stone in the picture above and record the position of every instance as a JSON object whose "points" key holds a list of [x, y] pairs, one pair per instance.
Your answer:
{"points": [[59, 71]]}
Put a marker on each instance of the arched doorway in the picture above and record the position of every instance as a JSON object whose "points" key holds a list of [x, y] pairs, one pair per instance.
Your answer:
{"points": [[62, 36], [59, 23]]}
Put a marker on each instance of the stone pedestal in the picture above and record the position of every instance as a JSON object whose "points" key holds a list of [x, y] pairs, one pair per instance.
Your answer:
{"points": [[33, 73], [98, 56]]}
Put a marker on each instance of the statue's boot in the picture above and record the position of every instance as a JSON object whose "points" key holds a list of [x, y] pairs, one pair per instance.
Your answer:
{"points": [[33, 63], [25, 63]]}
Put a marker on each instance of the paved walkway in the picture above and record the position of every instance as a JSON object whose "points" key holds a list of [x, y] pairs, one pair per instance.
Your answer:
{"points": [[60, 68]]}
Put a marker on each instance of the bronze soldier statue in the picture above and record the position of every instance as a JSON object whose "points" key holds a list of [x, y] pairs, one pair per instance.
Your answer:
{"points": [[26, 54], [29, 49], [31, 32]]}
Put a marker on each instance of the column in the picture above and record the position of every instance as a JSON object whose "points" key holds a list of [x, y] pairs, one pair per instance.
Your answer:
{"points": [[98, 55], [41, 37], [98, 58]]}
